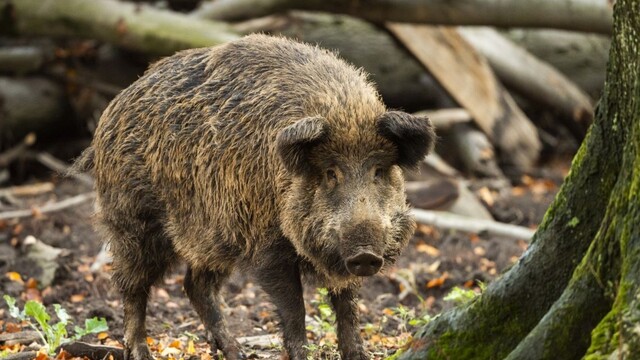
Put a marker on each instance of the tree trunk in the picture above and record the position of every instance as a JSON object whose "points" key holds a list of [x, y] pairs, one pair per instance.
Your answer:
{"points": [[576, 291]]}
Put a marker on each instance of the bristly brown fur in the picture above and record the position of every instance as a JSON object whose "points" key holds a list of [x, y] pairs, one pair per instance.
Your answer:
{"points": [[192, 162]]}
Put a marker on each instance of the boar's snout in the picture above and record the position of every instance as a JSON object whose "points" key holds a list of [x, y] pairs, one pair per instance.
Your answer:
{"points": [[363, 244], [364, 264]]}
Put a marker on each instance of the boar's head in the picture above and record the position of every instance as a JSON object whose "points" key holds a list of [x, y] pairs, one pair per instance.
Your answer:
{"points": [[345, 209]]}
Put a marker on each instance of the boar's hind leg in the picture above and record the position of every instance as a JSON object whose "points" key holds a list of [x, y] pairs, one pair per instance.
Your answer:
{"points": [[345, 304], [279, 276], [202, 288], [142, 254]]}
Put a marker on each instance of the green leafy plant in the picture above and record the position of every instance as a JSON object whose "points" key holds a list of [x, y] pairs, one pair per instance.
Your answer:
{"points": [[52, 335], [325, 316], [459, 295], [409, 317]]}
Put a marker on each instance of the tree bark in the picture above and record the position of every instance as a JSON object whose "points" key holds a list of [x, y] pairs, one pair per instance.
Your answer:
{"points": [[137, 27], [575, 291], [580, 15]]}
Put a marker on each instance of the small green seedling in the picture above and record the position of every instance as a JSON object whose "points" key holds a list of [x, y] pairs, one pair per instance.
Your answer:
{"points": [[409, 317], [52, 335], [459, 295]]}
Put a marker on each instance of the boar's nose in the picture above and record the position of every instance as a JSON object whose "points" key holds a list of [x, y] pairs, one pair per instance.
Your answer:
{"points": [[364, 264]]}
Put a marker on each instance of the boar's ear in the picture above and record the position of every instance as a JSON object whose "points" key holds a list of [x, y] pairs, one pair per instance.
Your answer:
{"points": [[295, 142], [413, 135]]}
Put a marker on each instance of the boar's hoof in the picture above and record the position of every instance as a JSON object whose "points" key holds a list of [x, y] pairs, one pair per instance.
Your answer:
{"points": [[364, 264], [137, 352]]}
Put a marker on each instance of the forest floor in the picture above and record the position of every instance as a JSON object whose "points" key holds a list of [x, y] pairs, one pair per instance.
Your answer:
{"points": [[392, 305]]}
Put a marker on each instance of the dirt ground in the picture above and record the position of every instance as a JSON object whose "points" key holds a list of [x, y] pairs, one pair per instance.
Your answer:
{"points": [[391, 305]]}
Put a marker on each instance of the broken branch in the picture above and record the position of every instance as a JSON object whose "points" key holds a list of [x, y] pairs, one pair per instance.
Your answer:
{"points": [[48, 208], [462, 223]]}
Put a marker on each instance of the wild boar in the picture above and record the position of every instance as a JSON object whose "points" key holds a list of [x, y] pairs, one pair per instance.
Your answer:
{"points": [[264, 155]]}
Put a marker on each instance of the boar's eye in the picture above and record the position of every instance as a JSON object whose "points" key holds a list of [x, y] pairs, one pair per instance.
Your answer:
{"points": [[331, 175], [379, 173]]}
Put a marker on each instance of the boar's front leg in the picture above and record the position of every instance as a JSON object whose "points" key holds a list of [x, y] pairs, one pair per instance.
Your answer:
{"points": [[202, 288], [345, 303], [279, 276]]}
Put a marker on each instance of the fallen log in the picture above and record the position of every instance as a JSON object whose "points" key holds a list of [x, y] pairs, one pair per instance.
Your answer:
{"points": [[402, 81], [475, 151], [447, 220], [22, 59], [580, 15], [530, 77], [30, 104], [138, 27], [470, 81], [580, 57], [93, 352]]}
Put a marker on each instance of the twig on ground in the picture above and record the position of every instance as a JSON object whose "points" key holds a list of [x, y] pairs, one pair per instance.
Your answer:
{"points": [[60, 166], [25, 355], [260, 341], [22, 337], [11, 154], [27, 190], [48, 208], [455, 222]]}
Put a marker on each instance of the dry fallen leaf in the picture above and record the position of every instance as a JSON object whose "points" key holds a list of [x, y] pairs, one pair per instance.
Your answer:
{"points": [[518, 191], [42, 355], [162, 293], [191, 348], [428, 249], [76, 298], [479, 250], [33, 294], [431, 269], [486, 195], [170, 351], [437, 282], [14, 276], [12, 327], [32, 283], [63, 355], [17, 230], [474, 238]]}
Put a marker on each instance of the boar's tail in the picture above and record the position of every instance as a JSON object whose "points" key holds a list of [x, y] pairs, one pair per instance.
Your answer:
{"points": [[84, 163]]}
